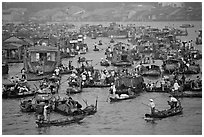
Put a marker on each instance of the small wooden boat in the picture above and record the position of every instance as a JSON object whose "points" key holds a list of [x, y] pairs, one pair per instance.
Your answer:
{"points": [[60, 122], [121, 63], [73, 90], [27, 106], [66, 71], [123, 98], [166, 113], [192, 69], [5, 68], [188, 94], [96, 49], [14, 91], [96, 85], [187, 26], [112, 41], [105, 63], [63, 109]]}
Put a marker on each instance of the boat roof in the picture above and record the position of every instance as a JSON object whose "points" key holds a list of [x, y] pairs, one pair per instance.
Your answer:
{"points": [[43, 48]]}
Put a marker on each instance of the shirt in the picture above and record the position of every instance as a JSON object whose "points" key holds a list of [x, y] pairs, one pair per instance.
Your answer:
{"points": [[152, 105], [176, 86], [172, 99]]}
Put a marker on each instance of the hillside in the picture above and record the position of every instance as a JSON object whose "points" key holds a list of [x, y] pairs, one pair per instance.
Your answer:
{"points": [[112, 12]]}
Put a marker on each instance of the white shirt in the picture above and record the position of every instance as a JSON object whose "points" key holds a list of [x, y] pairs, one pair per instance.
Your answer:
{"points": [[172, 99], [152, 105], [176, 86]]}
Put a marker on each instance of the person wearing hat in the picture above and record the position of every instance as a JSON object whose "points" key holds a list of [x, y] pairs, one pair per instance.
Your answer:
{"points": [[152, 106], [173, 102]]}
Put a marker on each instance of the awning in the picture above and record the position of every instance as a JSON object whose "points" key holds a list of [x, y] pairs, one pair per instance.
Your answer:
{"points": [[11, 46]]}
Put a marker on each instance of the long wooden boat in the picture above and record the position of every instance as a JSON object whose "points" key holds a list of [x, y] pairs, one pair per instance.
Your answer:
{"points": [[73, 90], [12, 91], [123, 98], [121, 63], [60, 122], [96, 85], [166, 113], [188, 94], [89, 110]]}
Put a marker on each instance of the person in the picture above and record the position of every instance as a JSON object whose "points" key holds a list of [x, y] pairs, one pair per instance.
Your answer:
{"points": [[57, 70], [17, 79], [173, 102], [197, 81], [176, 86], [152, 106], [12, 80], [23, 73], [46, 111]]}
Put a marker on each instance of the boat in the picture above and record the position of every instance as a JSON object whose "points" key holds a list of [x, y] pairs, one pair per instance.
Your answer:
{"points": [[187, 26], [62, 108], [192, 69], [170, 65], [166, 113], [27, 106], [150, 70], [73, 90], [60, 122], [112, 41], [121, 63], [96, 85], [127, 87], [122, 98], [5, 68], [105, 63], [100, 42], [188, 94], [41, 59], [96, 49], [17, 90], [121, 56], [65, 71]]}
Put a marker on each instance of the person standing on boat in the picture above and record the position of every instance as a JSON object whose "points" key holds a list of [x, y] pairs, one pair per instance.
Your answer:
{"points": [[176, 86], [46, 111], [23, 73], [173, 102], [57, 71], [152, 106]]}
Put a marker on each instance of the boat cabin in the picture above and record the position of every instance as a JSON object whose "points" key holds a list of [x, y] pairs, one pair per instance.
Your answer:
{"points": [[42, 59]]}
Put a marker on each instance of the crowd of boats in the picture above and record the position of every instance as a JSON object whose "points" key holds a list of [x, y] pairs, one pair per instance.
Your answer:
{"points": [[42, 62]]}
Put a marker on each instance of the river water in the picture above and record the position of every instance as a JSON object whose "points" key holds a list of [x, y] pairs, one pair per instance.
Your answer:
{"points": [[120, 118]]}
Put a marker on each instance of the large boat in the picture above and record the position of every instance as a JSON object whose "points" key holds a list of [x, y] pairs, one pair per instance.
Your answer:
{"points": [[121, 55], [42, 59], [150, 70], [127, 87], [170, 65]]}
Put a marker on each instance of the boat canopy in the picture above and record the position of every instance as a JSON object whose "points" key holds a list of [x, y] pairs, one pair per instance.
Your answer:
{"points": [[42, 49]]}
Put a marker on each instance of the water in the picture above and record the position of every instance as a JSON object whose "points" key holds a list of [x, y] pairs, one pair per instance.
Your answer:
{"points": [[120, 118]]}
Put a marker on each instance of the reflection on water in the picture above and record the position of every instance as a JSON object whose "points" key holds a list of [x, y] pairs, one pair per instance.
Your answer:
{"points": [[126, 117]]}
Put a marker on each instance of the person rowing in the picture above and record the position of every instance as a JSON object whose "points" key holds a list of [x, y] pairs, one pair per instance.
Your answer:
{"points": [[152, 106], [173, 102]]}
